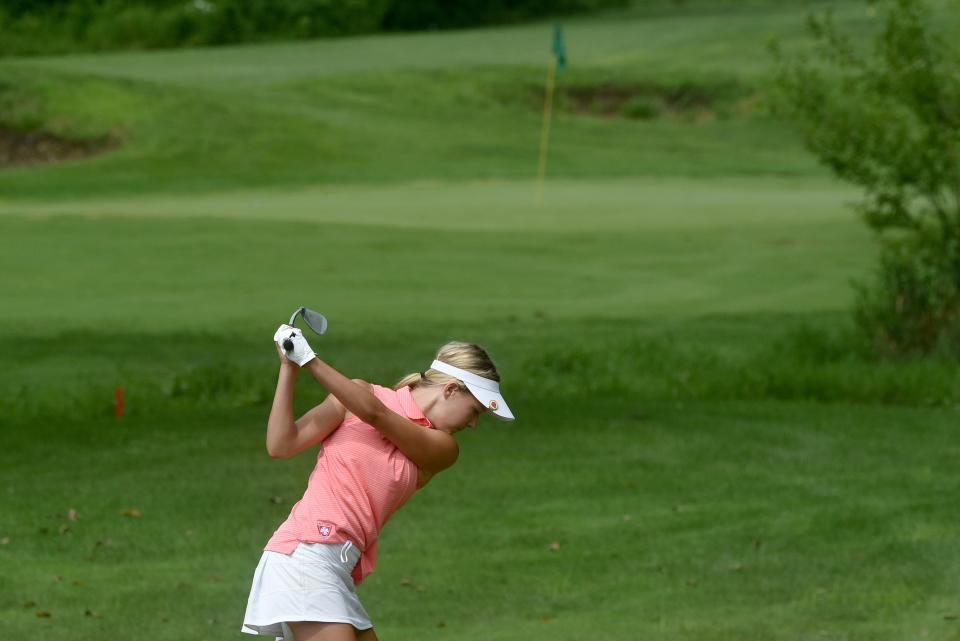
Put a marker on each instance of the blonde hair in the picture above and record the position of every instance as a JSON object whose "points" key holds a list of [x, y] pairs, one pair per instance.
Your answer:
{"points": [[468, 356]]}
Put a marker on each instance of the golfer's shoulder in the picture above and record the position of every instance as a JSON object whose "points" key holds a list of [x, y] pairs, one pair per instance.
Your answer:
{"points": [[385, 395]]}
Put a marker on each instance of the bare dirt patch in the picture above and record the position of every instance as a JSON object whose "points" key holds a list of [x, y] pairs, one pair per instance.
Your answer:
{"points": [[612, 100], [19, 148]]}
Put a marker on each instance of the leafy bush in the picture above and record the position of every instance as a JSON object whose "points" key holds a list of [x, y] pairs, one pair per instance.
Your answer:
{"points": [[888, 121], [914, 305]]}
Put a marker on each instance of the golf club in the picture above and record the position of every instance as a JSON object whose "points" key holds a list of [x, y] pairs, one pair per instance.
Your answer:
{"points": [[314, 320]]}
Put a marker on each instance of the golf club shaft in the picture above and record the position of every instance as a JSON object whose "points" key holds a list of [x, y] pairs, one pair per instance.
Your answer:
{"points": [[287, 343]]}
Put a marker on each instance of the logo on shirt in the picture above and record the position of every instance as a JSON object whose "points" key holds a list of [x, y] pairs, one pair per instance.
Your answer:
{"points": [[325, 529]]}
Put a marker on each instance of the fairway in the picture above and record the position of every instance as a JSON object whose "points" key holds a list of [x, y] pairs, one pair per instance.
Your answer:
{"points": [[596, 249], [700, 452]]}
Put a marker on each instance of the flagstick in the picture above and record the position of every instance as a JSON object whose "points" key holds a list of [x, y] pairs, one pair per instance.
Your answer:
{"points": [[545, 133]]}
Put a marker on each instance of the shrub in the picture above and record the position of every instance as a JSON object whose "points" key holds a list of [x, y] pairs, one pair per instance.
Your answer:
{"points": [[913, 307], [888, 121]]}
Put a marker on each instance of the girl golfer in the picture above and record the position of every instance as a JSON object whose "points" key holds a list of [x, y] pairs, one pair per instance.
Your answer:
{"points": [[379, 446]]}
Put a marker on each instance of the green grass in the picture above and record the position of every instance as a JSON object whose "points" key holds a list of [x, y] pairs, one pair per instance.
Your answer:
{"points": [[484, 124], [700, 438]]}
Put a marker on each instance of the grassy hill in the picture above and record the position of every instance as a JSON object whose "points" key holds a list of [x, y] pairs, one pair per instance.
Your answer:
{"points": [[701, 452], [454, 105]]}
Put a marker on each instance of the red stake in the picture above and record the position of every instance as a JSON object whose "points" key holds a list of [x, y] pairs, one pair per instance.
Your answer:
{"points": [[118, 402]]}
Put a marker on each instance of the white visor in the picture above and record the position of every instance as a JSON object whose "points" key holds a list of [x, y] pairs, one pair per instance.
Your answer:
{"points": [[483, 389]]}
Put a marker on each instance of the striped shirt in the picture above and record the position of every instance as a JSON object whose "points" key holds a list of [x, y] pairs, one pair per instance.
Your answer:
{"points": [[360, 480]]}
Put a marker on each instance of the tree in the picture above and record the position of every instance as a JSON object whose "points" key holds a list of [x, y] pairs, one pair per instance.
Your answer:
{"points": [[888, 120]]}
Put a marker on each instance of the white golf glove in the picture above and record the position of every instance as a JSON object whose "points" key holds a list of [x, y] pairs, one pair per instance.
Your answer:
{"points": [[301, 354]]}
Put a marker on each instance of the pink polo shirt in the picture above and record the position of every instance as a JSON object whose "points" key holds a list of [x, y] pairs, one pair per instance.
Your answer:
{"points": [[359, 481]]}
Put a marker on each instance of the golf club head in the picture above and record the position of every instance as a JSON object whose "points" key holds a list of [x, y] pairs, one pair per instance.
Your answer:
{"points": [[314, 320]]}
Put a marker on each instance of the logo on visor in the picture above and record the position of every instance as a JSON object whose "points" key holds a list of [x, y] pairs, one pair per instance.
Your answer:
{"points": [[493, 405]]}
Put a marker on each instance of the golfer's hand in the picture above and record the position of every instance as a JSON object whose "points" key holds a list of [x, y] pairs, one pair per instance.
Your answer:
{"points": [[284, 361], [301, 354]]}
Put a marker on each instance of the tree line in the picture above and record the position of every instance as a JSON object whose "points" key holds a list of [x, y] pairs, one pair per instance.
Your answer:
{"points": [[61, 26]]}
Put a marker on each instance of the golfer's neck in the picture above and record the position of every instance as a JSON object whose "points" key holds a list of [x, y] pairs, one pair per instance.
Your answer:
{"points": [[426, 398]]}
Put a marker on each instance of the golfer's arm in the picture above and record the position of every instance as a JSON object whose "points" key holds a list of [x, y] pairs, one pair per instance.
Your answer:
{"points": [[281, 428], [353, 395], [432, 450], [428, 449], [286, 437]]}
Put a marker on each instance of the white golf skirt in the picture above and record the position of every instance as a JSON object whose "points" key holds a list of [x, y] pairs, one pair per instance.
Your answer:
{"points": [[312, 584]]}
